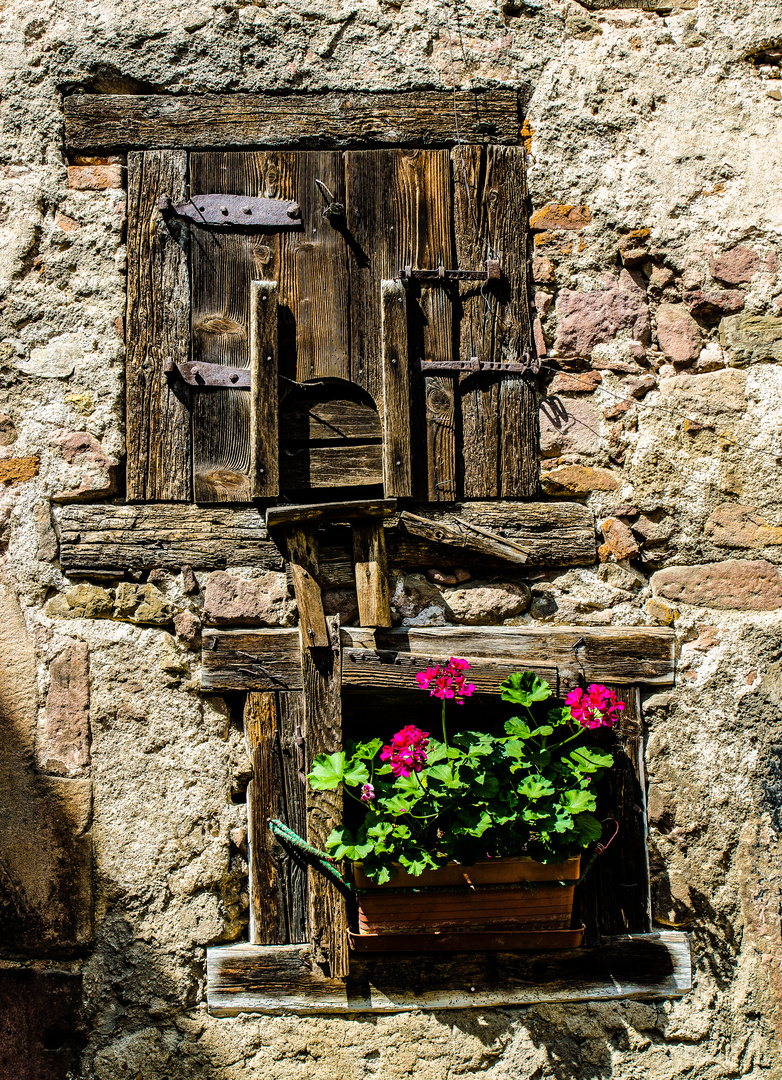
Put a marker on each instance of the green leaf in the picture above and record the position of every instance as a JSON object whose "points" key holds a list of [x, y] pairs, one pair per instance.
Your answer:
{"points": [[535, 787], [356, 774], [588, 828], [328, 771], [364, 751], [444, 773], [587, 759], [524, 687], [396, 805], [576, 802], [519, 728]]}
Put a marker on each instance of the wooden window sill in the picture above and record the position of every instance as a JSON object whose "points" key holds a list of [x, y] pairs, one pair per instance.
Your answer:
{"points": [[284, 978]]}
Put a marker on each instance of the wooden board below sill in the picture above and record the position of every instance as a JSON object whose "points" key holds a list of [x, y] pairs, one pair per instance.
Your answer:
{"points": [[284, 979]]}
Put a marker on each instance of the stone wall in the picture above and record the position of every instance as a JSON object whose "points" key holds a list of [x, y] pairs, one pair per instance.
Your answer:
{"points": [[653, 138]]}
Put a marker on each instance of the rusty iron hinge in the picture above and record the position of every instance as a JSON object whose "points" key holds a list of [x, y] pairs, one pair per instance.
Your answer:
{"points": [[197, 374], [527, 363], [234, 210], [491, 273]]}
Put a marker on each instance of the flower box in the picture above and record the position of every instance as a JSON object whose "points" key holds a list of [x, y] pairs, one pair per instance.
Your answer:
{"points": [[508, 903]]}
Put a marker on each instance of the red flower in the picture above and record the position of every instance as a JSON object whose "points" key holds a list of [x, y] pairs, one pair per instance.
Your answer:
{"points": [[407, 751], [448, 682], [595, 707]]}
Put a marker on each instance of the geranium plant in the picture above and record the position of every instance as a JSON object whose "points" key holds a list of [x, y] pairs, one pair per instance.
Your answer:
{"points": [[426, 802]]}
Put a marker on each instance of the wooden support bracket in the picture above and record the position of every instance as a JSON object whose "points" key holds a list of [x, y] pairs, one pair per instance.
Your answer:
{"points": [[369, 556], [302, 544], [464, 534]]}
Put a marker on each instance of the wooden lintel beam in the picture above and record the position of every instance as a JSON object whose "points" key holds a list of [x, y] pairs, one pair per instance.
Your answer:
{"points": [[463, 534], [385, 670], [320, 513], [336, 119], [244, 978]]}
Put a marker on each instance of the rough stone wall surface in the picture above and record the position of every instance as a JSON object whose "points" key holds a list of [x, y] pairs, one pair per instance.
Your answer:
{"points": [[653, 138]]}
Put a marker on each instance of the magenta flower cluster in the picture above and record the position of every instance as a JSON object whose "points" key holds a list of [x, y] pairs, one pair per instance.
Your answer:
{"points": [[448, 681], [406, 752], [595, 707]]}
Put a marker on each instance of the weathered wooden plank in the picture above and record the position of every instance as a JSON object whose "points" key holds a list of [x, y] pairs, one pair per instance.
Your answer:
{"points": [[241, 978], [462, 535], [265, 799], [622, 656], [388, 670], [619, 655], [615, 895], [224, 263], [401, 118], [250, 660], [329, 421], [314, 265], [498, 414], [371, 568], [302, 547], [158, 329], [334, 465], [291, 712], [327, 921], [395, 360], [264, 405], [335, 511], [104, 538]]}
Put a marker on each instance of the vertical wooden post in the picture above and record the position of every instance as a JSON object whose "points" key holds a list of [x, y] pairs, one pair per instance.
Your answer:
{"points": [[397, 468], [369, 556], [303, 557], [264, 410], [322, 673], [265, 799], [291, 705]]}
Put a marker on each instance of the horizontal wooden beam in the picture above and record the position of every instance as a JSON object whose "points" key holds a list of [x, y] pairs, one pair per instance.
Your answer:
{"points": [[315, 513], [101, 538], [204, 121], [284, 979], [380, 658]]}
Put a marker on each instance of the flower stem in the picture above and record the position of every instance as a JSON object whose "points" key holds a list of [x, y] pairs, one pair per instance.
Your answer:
{"points": [[445, 733]]}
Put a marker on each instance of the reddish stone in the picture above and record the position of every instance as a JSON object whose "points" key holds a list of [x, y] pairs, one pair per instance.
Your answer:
{"points": [[542, 270], [94, 177], [587, 319], [575, 384], [560, 216], [261, 601], [738, 526], [81, 445], [568, 427], [619, 409], [736, 584], [619, 540], [540, 341], [633, 247], [557, 242], [187, 626], [640, 387], [17, 470], [63, 744], [67, 224], [342, 602], [678, 333], [712, 305], [189, 581], [662, 277], [736, 266], [577, 480]]}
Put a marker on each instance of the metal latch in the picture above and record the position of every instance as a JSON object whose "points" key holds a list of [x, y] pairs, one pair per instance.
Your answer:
{"points": [[491, 273], [195, 373], [234, 210], [449, 367]]}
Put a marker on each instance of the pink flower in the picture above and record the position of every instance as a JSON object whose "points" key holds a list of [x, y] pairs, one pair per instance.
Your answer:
{"points": [[367, 793], [448, 682], [595, 707], [407, 751]]}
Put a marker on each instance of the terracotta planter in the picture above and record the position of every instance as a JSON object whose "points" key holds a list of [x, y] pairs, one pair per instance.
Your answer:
{"points": [[517, 901]]}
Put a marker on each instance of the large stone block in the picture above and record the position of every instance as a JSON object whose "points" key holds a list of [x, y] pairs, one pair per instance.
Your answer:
{"points": [[261, 601], [678, 333], [750, 339], [736, 526], [748, 585], [63, 745], [568, 427], [587, 319]]}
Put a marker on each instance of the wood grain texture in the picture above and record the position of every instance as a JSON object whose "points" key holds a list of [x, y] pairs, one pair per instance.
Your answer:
{"points": [[250, 660], [622, 656], [327, 922], [334, 420], [401, 118], [360, 509], [158, 329], [395, 360], [385, 669], [292, 749], [101, 538], [334, 465], [224, 263], [499, 447], [264, 403], [463, 534], [265, 799], [243, 978], [615, 895], [371, 566], [302, 547]]}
